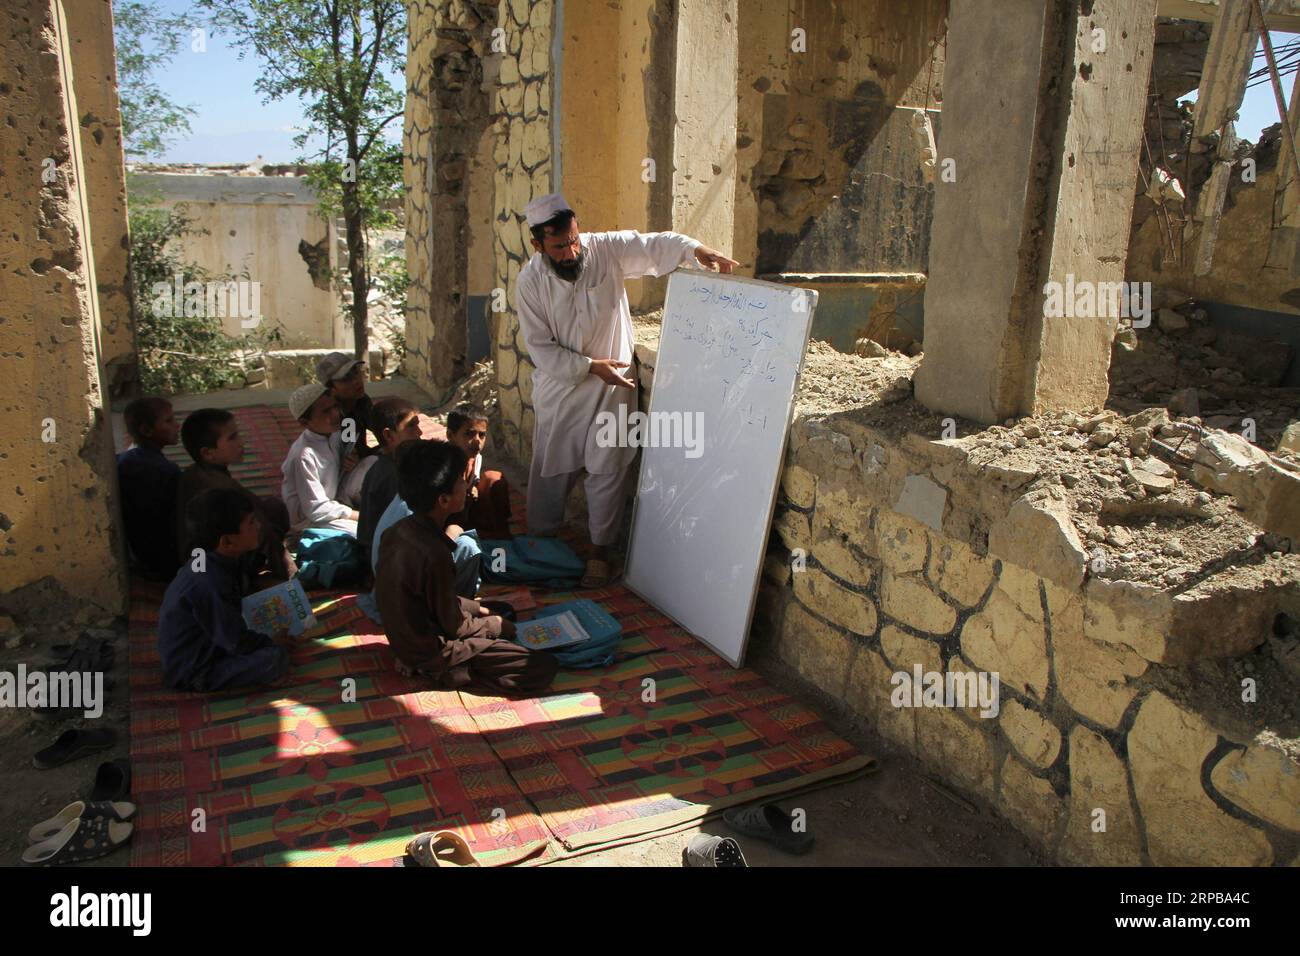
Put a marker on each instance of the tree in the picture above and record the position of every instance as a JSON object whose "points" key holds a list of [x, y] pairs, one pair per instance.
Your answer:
{"points": [[334, 55], [147, 39]]}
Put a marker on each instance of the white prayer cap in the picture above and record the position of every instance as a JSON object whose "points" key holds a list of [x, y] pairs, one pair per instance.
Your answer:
{"points": [[304, 397], [544, 208]]}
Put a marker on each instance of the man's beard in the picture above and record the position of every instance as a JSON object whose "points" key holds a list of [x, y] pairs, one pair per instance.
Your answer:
{"points": [[569, 273]]}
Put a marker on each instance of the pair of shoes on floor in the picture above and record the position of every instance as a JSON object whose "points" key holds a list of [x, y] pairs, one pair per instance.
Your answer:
{"points": [[441, 848], [80, 831], [767, 822]]}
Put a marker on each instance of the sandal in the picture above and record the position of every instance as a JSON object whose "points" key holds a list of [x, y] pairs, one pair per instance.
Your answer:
{"points": [[85, 838], [769, 822], [441, 848], [112, 780], [48, 829], [73, 744], [596, 574], [705, 850]]}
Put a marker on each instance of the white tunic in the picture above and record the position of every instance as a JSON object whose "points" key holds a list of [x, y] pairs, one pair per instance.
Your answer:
{"points": [[311, 473], [567, 324]]}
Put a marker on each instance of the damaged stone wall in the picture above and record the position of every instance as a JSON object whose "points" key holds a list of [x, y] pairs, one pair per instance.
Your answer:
{"points": [[523, 172], [449, 73], [58, 507], [1121, 604], [1247, 269], [829, 176], [100, 120], [267, 229]]}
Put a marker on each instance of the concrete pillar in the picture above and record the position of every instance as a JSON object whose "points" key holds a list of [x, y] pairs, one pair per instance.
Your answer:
{"points": [[653, 148], [704, 136], [58, 504], [1040, 137], [94, 78]]}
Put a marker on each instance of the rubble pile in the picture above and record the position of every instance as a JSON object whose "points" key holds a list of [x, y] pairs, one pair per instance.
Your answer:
{"points": [[1184, 363], [1153, 498]]}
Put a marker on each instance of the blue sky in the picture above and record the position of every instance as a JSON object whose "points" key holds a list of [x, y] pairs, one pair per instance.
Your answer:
{"points": [[1259, 109], [233, 125]]}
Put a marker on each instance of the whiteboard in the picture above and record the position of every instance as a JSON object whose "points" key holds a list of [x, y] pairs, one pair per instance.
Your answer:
{"points": [[730, 353]]}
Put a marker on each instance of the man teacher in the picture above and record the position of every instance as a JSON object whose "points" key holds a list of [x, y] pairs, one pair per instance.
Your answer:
{"points": [[577, 327]]}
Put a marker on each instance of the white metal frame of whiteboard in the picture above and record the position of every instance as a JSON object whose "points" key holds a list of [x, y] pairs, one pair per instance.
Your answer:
{"points": [[776, 481]]}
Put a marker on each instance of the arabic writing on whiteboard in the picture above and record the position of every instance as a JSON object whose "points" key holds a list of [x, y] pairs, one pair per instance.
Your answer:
{"points": [[737, 329]]}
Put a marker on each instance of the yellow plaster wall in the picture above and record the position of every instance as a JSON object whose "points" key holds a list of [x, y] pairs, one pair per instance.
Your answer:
{"points": [[57, 475]]}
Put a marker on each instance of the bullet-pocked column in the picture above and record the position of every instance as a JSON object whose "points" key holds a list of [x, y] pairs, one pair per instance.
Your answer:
{"points": [[1041, 130], [57, 507]]}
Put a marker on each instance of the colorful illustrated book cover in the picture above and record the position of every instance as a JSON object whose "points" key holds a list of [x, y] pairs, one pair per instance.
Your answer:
{"points": [[284, 606], [551, 632]]}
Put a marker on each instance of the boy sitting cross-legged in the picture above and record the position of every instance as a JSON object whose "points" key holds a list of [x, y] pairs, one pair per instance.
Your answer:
{"points": [[312, 467], [453, 640], [487, 508], [202, 638], [147, 482], [211, 436]]}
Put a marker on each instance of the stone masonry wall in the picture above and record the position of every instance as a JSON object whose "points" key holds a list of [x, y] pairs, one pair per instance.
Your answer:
{"points": [[916, 554], [503, 49], [449, 73], [892, 549], [523, 172]]}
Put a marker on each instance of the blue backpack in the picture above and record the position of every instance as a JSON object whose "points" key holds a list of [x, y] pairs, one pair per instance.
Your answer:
{"points": [[327, 557], [526, 559], [605, 631]]}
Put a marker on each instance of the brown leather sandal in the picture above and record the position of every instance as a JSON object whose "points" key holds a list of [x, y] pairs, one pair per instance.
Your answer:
{"points": [[441, 848]]}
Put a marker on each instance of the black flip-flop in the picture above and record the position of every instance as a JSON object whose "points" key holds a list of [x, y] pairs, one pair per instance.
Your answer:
{"points": [[112, 781], [769, 822], [73, 744]]}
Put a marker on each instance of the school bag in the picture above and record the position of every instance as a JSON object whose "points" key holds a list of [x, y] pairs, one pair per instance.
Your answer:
{"points": [[525, 559], [327, 557], [604, 634]]}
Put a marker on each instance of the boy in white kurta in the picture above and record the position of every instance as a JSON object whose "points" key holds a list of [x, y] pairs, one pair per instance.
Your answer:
{"points": [[577, 327], [313, 466]]}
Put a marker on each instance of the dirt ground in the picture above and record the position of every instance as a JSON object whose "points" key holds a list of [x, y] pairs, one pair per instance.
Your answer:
{"points": [[29, 795]]}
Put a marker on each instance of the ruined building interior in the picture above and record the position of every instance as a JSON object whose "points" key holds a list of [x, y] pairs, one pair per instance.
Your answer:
{"points": [[1100, 503]]}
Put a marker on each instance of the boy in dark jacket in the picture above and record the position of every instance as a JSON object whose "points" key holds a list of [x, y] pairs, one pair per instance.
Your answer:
{"points": [[211, 436], [202, 638], [147, 481]]}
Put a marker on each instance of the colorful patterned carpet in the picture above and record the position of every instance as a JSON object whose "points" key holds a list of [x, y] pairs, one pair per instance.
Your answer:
{"points": [[346, 760]]}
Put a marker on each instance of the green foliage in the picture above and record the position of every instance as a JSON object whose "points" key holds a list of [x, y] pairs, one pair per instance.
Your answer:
{"points": [[393, 280], [336, 57], [379, 185], [179, 354], [147, 40]]}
